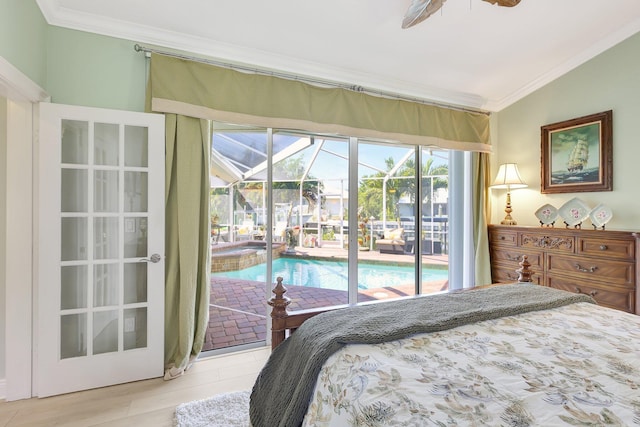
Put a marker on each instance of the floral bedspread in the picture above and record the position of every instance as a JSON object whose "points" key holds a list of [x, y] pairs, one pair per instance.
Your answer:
{"points": [[576, 365]]}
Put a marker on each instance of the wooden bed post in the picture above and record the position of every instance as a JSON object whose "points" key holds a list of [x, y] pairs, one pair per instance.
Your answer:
{"points": [[278, 313], [524, 273]]}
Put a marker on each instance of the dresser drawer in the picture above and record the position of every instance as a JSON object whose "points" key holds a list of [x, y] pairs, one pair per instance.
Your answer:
{"points": [[619, 249], [503, 237], [501, 274], [513, 256], [548, 242], [584, 269], [608, 296]]}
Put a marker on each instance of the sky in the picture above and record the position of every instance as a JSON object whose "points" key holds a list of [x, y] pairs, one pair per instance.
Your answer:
{"points": [[331, 164], [328, 166]]}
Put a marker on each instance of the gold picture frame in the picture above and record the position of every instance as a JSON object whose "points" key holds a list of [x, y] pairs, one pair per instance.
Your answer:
{"points": [[577, 155]]}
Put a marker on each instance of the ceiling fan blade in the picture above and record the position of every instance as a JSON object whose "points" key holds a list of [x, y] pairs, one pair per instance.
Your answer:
{"points": [[506, 3], [419, 10]]}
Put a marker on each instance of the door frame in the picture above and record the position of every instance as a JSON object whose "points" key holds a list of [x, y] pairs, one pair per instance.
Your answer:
{"points": [[22, 94]]}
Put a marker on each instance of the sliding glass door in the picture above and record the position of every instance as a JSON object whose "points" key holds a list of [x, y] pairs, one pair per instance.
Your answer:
{"points": [[341, 220]]}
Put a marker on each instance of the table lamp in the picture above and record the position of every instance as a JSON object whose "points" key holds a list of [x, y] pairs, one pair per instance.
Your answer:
{"points": [[508, 177]]}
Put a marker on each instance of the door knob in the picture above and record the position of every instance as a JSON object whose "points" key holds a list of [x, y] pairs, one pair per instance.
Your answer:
{"points": [[153, 258]]}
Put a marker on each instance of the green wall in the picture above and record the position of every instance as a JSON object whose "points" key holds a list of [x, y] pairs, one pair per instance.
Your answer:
{"points": [[95, 71], [74, 67], [22, 38], [610, 81]]}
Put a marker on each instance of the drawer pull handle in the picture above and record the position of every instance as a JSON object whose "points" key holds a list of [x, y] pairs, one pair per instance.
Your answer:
{"points": [[603, 247], [591, 294], [501, 237], [586, 270], [514, 257]]}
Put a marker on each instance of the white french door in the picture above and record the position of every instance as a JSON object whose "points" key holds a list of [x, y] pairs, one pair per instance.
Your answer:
{"points": [[100, 284]]}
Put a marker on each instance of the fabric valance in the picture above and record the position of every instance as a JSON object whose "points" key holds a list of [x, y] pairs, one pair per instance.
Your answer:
{"points": [[207, 91]]}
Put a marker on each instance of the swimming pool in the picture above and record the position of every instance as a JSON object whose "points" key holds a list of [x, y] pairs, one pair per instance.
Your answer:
{"points": [[333, 274]]}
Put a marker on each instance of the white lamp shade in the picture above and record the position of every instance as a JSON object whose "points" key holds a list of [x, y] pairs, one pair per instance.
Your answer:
{"points": [[508, 177]]}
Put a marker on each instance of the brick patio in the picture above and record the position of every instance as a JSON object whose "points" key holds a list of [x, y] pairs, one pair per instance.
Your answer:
{"points": [[238, 308]]}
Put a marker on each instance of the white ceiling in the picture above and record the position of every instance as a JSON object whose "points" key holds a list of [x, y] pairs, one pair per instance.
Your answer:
{"points": [[470, 53]]}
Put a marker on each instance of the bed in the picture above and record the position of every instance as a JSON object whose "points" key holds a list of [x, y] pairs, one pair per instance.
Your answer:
{"points": [[517, 354]]}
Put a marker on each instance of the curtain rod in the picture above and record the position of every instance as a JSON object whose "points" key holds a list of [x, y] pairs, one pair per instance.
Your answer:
{"points": [[304, 79]]}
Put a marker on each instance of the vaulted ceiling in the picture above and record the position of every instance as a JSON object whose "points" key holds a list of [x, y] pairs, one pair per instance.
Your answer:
{"points": [[469, 53]]}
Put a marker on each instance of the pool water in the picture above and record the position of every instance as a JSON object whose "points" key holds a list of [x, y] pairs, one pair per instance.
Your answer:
{"points": [[333, 274]]}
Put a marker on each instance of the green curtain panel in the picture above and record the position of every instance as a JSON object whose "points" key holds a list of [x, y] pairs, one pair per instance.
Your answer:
{"points": [[206, 91], [187, 246], [481, 212]]}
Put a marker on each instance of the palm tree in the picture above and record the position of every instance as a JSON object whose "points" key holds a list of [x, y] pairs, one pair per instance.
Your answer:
{"points": [[370, 192]]}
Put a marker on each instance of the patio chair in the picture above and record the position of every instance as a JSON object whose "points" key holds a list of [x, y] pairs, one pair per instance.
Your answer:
{"points": [[245, 231], [392, 243]]}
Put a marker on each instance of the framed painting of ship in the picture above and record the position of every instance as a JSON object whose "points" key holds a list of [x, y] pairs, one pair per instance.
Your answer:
{"points": [[577, 155]]}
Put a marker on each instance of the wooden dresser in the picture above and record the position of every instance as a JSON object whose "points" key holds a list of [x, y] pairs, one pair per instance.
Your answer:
{"points": [[601, 263]]}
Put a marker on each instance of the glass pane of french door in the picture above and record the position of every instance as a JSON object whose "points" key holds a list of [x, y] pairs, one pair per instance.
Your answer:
{"points": [[105, 177]]}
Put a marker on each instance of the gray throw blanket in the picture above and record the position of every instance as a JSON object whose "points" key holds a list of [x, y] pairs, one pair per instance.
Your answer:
{"points": [[285, 386]]}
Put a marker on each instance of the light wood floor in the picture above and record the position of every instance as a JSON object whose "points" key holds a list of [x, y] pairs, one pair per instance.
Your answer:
{"points": [[142, 403]]}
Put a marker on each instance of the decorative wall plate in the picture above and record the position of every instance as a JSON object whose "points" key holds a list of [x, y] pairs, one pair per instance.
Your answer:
{"points": [[574, 212], [547, 214], [600, 215]]}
